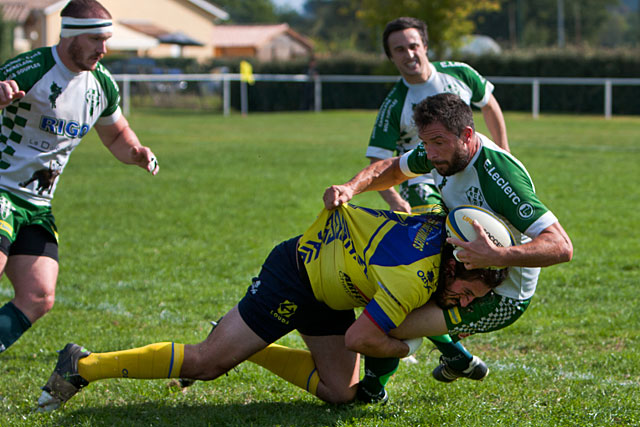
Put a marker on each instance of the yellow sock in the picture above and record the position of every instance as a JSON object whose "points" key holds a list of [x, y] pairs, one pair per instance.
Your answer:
{"points": [[293, 365], [160, 360]]}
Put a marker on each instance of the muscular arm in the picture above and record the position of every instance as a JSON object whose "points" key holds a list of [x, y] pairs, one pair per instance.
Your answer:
{"points": [[494, 120], [391, 196], [551, 246], [365, 337], [377, 176], [123, 143]]}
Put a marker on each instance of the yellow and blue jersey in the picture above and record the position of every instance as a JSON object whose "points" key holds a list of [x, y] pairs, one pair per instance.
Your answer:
{"points": [[385, 261]]}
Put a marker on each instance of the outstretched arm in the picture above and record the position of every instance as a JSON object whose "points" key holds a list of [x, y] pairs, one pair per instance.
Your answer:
{"points": [[123, 143], [9, 92], [392, 197], [377, 176], [494, 120]]}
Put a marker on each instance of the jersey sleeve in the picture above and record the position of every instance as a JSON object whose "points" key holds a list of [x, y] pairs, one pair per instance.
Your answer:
{"points": [[26, 69], [386, 129], [481, 88], [415, 163], [112, 112], [510, 192]]}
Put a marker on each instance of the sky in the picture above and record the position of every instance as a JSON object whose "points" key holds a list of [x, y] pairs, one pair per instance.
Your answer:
{"points": [[292, 4]]}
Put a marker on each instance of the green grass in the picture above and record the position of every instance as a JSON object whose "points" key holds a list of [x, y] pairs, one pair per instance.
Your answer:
{"points": [[154, 259]]}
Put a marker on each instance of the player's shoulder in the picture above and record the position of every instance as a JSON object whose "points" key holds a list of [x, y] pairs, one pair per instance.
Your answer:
{"points": [[104, 77], [455, 68], [34, 63]]}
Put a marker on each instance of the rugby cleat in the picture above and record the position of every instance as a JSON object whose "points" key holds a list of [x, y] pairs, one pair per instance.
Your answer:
{"points": [[65, 381], [187, 382], [477, 370], [366, 396]]}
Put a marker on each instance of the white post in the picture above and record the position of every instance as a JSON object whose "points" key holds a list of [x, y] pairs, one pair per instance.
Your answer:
{"points": [[535, 95], [126, 96], [226, 96], [607, 99], [317, 94]]}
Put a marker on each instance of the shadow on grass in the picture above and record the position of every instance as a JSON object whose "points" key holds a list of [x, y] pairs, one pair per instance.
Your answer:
{"points": [[253, 413]]}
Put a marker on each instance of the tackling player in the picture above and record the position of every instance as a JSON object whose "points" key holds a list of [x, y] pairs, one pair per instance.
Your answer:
{"points": [[389, 263], [50, 98], [468, 168]]}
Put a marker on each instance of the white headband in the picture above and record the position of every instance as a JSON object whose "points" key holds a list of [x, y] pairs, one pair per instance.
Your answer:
{"points": [[72, 27]]}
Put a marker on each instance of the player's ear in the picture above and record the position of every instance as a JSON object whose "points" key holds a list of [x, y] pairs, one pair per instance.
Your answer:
{"points": [[450, 267], [467, 133]]}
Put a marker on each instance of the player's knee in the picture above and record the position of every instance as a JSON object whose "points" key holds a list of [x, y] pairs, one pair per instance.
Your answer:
{"points": [[36, 304], [339, 395], [202, 365]]}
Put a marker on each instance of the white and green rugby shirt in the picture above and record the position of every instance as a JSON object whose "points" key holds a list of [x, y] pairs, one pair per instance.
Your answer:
{"points": [[497, 181], [40, 130], [395, 133]]}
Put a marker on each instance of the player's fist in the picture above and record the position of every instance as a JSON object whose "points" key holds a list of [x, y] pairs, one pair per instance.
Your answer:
{"points": [[336, 195], [9, 92]]}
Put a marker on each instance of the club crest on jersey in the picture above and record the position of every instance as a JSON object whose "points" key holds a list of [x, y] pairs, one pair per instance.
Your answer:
{"points": [[475, 197], [92, 97], [56, 91]]}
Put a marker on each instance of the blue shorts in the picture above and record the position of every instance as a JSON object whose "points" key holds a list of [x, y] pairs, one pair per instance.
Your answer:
{"points": [[280, 300]]}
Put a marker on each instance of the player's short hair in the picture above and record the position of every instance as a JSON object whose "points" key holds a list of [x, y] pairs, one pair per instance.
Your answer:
{"points": [[400, 24], [447, 109], [85, 9], [491, 277]]}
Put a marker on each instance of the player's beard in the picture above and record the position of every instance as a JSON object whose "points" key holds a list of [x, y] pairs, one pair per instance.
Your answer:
{"points": [[80, 59], [459, 161]]}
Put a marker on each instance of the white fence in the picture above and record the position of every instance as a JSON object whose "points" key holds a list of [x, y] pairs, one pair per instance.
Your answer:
{"points": [[227, 78]]}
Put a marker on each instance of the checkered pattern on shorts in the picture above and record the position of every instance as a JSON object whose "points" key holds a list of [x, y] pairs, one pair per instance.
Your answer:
{"points": [[502, 314]]}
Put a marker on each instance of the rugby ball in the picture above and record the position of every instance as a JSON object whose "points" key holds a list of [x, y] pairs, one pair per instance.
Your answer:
{"points": [[460, 225]]}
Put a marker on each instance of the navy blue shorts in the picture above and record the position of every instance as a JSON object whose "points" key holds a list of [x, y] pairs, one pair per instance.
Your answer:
{"points": [[280, 300]]}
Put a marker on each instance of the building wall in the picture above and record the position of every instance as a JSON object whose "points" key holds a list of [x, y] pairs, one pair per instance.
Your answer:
{"points": [[173, 15]]}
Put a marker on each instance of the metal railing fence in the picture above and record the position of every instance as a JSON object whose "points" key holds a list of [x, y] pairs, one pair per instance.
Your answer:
{"points": [[225, 81]]}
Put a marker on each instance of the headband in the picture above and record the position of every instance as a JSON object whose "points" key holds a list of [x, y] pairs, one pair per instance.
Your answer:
{"points": [[72, 27]]}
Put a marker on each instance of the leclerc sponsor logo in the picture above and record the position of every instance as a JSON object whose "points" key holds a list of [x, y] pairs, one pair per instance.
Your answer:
{"points": [[501, 182]]}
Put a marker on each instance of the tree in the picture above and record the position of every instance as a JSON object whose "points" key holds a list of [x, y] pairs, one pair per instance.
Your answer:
{"points": [[447, 20], [248, 11]]}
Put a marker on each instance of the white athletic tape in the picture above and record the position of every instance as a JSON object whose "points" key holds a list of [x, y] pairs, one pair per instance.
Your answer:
{"points": [[72, 27]]}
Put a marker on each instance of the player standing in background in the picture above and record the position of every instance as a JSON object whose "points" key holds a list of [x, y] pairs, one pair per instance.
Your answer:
{"points": [[405, 42], [468, 169], [51, 97], [389, 263]]}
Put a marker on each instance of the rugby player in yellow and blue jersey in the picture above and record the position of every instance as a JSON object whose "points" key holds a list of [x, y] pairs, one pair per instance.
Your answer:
{"points": [[389, 263]]}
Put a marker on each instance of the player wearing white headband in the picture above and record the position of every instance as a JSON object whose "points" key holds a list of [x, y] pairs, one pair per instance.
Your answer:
{"points": [[50, 98]]}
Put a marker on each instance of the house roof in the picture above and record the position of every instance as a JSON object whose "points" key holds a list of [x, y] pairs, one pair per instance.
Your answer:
{"points": [[254, 35], [18, 10]]}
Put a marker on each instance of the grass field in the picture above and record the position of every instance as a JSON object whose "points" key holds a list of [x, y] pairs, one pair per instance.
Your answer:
{"points": [[154, 259]]}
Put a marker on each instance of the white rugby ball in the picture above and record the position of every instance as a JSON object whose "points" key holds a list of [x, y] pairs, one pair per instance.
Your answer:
{"points": [[460, 224]]}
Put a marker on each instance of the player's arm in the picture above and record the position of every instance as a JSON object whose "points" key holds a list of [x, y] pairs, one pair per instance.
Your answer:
{"points": [[9, 92], [551, 246], [123, 143], [494, 119], [365, 337], [377, 176], [392, 197]]}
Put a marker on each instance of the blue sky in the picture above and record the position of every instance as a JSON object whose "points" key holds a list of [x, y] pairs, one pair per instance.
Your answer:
{"points": [[293, 4]]}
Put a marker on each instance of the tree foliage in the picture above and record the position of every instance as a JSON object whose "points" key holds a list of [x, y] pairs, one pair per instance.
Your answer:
{"points": [[447, 20], [248, 11]]}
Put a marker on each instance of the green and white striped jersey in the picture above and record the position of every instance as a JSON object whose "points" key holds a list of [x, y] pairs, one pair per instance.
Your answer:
{"points": [[40, 130], [395, 133], [497, 181]]}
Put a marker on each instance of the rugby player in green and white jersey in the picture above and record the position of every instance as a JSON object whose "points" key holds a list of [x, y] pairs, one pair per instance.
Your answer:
{"points": [[50, 98], [470, 169], [394, 133]]}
